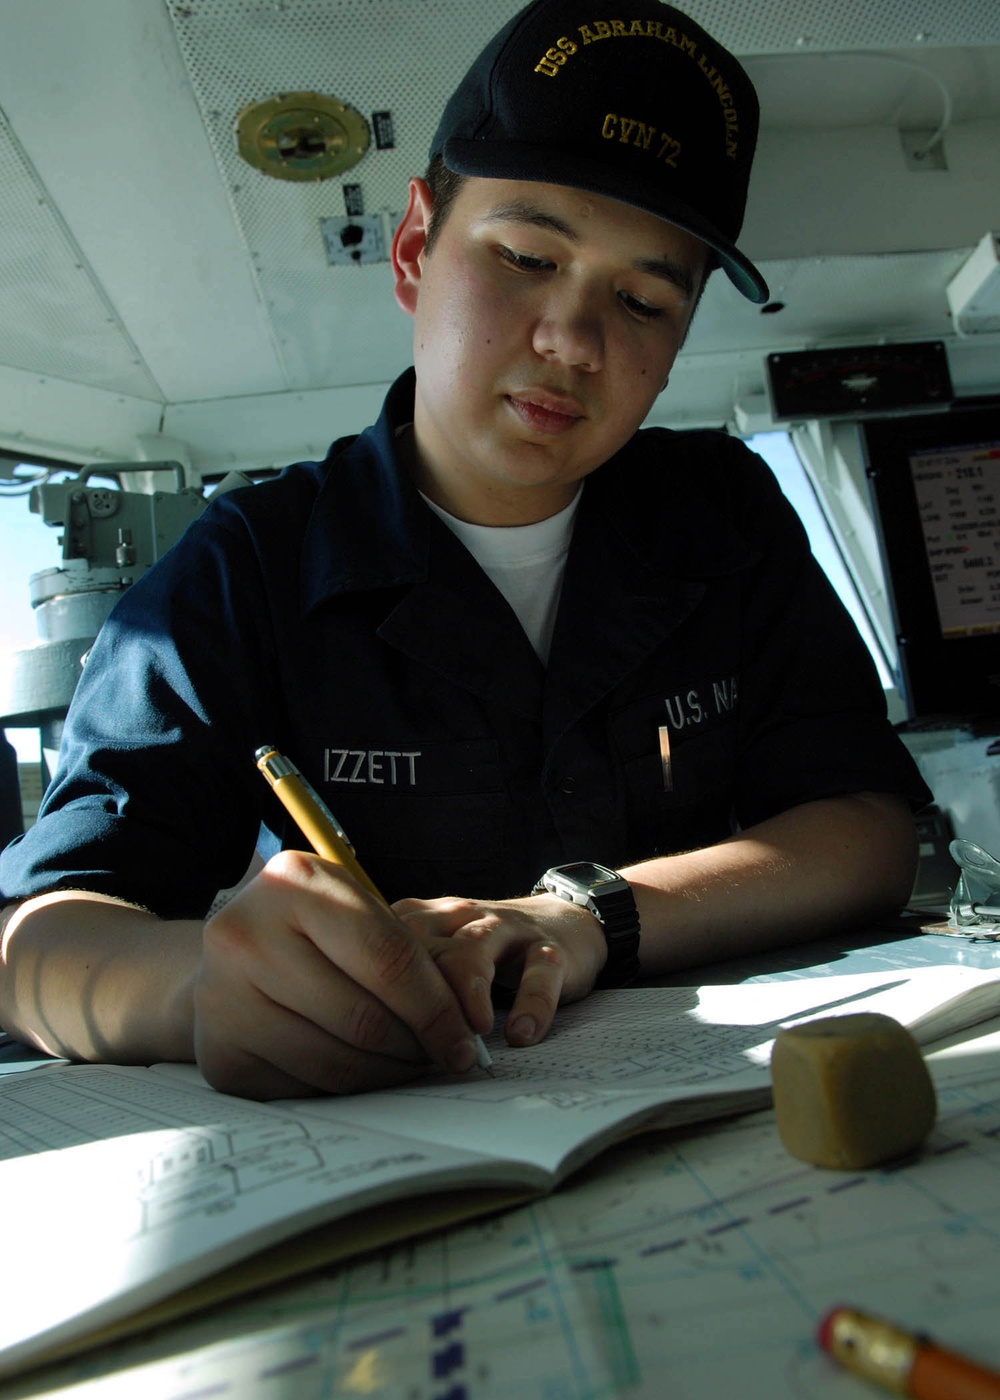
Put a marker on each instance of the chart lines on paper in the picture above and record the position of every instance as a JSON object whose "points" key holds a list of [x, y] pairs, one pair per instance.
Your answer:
{"points": [[179, 1175], [688, 1264]]}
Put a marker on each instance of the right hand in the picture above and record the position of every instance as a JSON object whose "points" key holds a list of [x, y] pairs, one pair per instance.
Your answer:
{"points": [[309, 985]]}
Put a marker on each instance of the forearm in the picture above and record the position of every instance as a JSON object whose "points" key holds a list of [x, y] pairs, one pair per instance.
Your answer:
{"points": [[93, 979], [824, 865]]}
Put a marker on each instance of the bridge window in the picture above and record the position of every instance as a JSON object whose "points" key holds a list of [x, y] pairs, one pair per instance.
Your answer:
{"points": [[778, 452]]}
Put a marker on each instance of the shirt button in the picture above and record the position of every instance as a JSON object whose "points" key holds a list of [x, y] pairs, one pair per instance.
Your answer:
{"points": [[567, 786]]}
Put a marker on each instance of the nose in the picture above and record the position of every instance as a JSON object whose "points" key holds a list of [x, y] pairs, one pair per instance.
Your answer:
{"points": [[570, 329]]}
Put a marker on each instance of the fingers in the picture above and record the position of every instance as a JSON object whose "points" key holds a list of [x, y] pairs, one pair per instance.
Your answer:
{"points": [[538, 994], [307, 983], [542, 947], [466, 964], [469, 971], [289, 1058], [264, 942], [385, 959], [519, 958]]}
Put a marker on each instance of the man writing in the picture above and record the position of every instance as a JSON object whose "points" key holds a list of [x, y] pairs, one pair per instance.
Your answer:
{"points": [[579, 694]]}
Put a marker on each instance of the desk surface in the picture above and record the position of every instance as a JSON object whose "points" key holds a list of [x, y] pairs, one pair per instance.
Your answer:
{"points": [[693, 1263]]}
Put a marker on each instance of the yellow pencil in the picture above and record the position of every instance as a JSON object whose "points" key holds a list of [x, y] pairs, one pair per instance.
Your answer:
{"points": [[312, 816], [324, 833]]}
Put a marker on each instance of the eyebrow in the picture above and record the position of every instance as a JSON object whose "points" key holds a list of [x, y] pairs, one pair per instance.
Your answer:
{"points": [[519, 211]]}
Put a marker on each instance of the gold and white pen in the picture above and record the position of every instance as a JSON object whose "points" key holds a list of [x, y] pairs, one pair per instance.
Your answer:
{"points": [[325, 834]]}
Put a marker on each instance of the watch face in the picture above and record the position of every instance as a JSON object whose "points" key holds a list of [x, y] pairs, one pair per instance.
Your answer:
{"points": [[586, 873], [609, 898]]}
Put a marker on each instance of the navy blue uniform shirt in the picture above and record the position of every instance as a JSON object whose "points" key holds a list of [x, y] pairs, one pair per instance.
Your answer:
{"points": [[330, 613]]}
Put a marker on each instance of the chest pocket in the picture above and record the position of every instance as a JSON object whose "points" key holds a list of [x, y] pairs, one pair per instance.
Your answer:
{"points": [[678, 758], [425, 819]]}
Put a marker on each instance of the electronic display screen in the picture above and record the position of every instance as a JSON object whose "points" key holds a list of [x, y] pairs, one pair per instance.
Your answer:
{"points": [[935, 488], [958, 498]]}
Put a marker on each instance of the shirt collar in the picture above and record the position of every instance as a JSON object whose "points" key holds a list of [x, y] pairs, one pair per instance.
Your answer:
{"points": [[369, 528]]}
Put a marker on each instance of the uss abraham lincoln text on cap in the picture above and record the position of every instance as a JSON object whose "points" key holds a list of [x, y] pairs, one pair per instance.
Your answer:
{"points": [[634, 101]]}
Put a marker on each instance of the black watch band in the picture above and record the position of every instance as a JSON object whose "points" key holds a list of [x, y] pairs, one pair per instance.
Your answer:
{"points": [[609, 898]]}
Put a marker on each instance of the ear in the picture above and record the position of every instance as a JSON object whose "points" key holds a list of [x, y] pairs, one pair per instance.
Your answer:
{"points": [[408, 245]]}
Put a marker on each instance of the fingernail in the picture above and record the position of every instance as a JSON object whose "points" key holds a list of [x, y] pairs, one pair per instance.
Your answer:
{"points": [[461, 1056], [524, 1029]]}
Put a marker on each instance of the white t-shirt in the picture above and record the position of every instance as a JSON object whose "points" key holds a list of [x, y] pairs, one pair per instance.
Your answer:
{"points": [[526, 563]]}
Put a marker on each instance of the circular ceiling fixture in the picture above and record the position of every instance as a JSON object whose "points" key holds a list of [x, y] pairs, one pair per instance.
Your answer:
{"points": [[301, 136]]}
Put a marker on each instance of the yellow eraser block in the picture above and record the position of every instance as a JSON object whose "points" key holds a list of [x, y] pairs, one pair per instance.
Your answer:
{"points": [[851, 1091]]}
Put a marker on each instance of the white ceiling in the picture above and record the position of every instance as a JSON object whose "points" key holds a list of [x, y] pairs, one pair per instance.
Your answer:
{"points": [[152, 283]]}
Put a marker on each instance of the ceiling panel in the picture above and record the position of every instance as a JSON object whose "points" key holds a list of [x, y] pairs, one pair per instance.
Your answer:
{"points": [[140, 255], [55, 316], [99, 102]]}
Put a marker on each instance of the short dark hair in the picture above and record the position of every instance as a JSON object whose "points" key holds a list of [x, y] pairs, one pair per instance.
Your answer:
{"points": [[444, 186]]}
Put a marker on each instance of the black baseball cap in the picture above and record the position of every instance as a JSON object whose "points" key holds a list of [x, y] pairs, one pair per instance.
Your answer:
{"points": [[625, 98]]}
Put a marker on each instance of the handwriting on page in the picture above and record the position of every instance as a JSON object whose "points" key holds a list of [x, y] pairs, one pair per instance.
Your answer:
{"points": [[683, 1037], [647, 1039]]}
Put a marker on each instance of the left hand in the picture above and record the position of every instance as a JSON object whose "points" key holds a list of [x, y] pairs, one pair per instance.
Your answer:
{"points": [[548, 949]]}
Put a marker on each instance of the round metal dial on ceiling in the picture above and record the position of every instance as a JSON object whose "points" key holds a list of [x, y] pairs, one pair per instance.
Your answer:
{"points": [[301, 136]]}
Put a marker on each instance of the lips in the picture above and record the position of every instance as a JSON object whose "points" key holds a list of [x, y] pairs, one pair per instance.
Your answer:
{"points": [[544, 412]]}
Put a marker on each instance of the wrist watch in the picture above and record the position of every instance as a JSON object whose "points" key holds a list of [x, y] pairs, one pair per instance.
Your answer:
{"points": [[609, 898]]}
